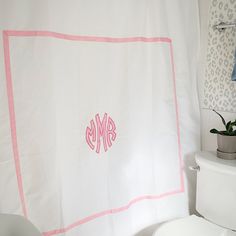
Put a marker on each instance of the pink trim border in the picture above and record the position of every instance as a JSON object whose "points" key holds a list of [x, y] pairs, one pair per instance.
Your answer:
{"points": [[13, 120], [11, 33]]}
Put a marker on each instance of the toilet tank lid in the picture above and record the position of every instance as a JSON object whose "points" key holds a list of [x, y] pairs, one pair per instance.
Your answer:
{"points": [[211, 161]]}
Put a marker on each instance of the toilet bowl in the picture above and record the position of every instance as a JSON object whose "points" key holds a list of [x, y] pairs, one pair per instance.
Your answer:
{"points": [[192, 226], [15, 225], [215, 201]]}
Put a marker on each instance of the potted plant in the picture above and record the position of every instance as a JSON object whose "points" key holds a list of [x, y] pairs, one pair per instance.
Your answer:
{"points": [[226, 139]]}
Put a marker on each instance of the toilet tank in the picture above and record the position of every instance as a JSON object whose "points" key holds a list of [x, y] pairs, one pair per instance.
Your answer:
{"points": [[216, 189]]}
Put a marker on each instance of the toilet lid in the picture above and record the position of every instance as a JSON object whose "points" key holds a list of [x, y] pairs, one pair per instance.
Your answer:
{"points": [[194, 226]]}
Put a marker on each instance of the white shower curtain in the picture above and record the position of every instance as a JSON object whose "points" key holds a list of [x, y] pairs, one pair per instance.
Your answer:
{"points": [[98, 111]]}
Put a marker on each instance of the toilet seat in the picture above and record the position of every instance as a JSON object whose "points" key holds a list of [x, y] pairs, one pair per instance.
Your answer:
{"points": [[192, 225]]}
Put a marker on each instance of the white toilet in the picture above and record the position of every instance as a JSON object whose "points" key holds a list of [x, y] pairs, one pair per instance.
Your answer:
{"points": [[15, 225], [216, 201]]}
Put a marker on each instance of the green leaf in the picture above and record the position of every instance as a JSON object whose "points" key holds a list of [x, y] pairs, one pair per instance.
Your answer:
{"points": [[233, 123], [214, 131], [229, 127], [224, 133], [222, 118]]}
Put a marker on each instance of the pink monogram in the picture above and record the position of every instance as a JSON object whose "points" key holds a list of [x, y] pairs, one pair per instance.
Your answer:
{"points": [[98, 129]]}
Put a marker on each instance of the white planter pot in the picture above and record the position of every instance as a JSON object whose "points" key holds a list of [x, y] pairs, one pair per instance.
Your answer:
{"points": [[226, 146]]}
